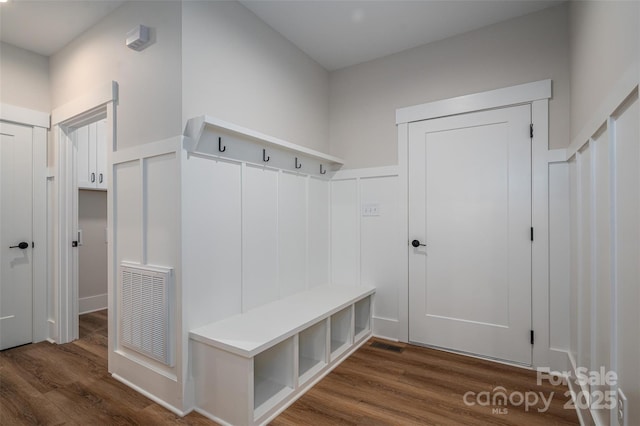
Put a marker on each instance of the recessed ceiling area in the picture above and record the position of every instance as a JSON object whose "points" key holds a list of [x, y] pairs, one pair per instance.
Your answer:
{"points": [[45, 27], [338, 34]]}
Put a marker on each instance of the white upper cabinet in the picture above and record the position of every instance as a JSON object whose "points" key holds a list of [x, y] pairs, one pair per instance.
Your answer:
{"points": [[91, 155]]}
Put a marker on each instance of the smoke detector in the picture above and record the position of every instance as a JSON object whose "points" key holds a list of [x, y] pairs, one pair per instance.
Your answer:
{"points": [[138, 38]]}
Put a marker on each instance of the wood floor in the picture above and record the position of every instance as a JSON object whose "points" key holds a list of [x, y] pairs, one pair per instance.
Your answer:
{"points": [[69, 384]]}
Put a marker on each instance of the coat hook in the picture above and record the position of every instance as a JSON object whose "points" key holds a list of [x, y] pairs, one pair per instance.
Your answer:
{"points": [[220, 147], [322, 172], [265, 158], [298, 165]]}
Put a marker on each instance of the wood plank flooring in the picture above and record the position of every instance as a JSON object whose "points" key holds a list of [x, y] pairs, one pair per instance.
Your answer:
{"points": [[422, 386], [69, 385], [46, 384]]}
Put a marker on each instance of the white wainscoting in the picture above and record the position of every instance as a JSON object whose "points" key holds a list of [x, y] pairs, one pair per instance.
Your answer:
{"points": [[146, 230], [605, 242], [251, 235], [368, 249]]}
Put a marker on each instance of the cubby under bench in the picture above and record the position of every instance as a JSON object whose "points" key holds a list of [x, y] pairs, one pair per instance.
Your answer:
{"points": [[250, 367]]}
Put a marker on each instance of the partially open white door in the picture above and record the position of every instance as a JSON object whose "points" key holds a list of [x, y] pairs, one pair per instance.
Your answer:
{"points": [[16, 285], [470, 205]]}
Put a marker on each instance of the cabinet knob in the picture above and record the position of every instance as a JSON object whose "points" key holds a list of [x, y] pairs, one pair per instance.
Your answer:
{"points": [[93, 177]]}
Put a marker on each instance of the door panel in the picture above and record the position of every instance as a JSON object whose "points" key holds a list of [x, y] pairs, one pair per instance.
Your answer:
{"points": [[16, 147], [470, 203]]}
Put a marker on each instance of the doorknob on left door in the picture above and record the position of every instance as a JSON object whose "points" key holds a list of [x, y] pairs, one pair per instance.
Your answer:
{"points": [[417, 244], [23, 245]]}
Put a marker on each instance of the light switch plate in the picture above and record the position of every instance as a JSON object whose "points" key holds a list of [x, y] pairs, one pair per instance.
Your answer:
{"points": [[371, 210]]}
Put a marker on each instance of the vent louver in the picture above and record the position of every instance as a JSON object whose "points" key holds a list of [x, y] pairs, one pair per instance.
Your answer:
{"points": [[145, 311]]}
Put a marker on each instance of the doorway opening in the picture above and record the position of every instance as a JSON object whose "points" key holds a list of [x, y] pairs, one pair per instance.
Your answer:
{"points": [[85, 138]]}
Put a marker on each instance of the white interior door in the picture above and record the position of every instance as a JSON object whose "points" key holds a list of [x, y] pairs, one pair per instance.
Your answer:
{"points": [[16, 286], [470, 204]]}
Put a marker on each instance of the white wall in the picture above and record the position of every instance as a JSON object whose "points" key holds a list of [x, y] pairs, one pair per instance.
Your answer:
{"points": [[24, 78], [149, 105], [604, 42], [364, 97], [92, 255], [237, 68]]}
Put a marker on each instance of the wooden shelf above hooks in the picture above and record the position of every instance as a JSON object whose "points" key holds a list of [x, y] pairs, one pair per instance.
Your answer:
{"points": [[196, 131]]}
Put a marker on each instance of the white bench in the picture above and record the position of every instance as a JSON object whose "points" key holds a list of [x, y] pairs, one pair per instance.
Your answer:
{"points": [[250, 367]]}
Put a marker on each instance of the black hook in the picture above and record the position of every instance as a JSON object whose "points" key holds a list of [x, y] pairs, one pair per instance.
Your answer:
{"points": [[220, 147], [322, 172], [264, 156], [297, 164]]}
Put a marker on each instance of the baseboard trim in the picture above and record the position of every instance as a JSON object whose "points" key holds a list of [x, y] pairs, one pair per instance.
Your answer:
{"points": [[151, 396], [584, 414], [385, 328], [92, 303]]}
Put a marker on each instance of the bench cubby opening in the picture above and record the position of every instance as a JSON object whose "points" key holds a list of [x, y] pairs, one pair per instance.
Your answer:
{"points": [[273, 376], [312, 350], [362, 318], [341, 336]]}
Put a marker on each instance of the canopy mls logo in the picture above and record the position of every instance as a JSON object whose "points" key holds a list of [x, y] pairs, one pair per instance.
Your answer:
{"points": [[500, 400]]}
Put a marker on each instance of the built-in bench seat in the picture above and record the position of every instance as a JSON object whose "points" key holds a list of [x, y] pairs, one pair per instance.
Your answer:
{"points": [[250, 367]]}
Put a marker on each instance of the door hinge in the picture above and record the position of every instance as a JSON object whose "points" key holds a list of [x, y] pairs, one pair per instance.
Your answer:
{"points": [[531, 130], [532, 337], [532, 233]]}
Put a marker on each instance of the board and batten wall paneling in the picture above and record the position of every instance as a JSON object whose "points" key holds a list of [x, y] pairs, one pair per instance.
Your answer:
{"points": [[211, 239], [367, 249], [161, 212], [627, 254], [127, 184], [381, 243], [345, 235], [318, 232], [259, 236], [559, 249], [605, 257], [292, 233], [601, 270], [146, 230], [584, 246]]}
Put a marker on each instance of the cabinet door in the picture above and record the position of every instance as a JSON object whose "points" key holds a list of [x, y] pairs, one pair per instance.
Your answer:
{"points": [[101, 154], [84, 157]]}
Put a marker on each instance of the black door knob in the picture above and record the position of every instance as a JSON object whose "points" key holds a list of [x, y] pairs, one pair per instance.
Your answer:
{"points": [[23, 245], [417, 244]]}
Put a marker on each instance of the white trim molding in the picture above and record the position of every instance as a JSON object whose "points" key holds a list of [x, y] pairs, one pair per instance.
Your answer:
{"points": [[107, 92], [537, 94], [20, 115], [94, 105], [523, 93]]}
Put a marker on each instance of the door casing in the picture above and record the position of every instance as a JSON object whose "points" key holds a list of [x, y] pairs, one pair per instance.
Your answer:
{"points": [[537, 94], [93, 106]]}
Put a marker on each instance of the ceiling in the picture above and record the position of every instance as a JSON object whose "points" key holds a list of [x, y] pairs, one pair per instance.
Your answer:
{"points": [[336, 33], [45, 27]]}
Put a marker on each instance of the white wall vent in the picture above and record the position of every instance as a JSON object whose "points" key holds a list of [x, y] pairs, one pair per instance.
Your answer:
{"points": [[145, 311]]}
